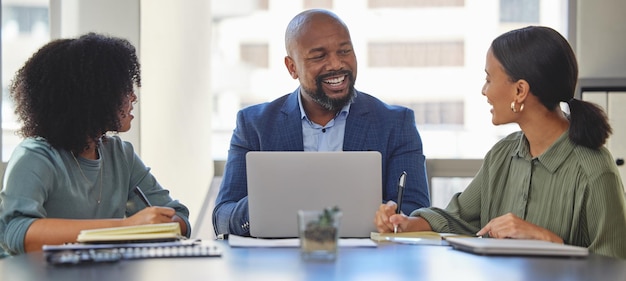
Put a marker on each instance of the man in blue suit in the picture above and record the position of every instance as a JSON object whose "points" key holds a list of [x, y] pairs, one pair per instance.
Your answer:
{"points": [[325, 113]]}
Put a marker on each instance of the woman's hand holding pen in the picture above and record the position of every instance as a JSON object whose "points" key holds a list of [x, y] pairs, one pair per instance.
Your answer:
{"points": [[156, 214], [151, 215]]}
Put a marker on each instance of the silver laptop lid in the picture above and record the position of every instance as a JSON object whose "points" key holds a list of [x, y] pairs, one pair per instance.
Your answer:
{"points": [[282, 182]]}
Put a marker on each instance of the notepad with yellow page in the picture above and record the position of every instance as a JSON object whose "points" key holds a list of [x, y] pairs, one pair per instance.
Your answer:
{"points": [[138, 233], [416, 237]]}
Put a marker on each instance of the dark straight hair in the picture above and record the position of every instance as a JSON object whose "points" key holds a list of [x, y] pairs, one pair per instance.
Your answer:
{"points": [[544, 58]]}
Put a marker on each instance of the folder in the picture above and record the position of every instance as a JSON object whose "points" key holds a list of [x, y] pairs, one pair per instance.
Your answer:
{"points": [[137, 233]]}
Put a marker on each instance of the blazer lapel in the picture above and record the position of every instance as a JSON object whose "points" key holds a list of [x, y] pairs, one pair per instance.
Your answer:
{"points": [[291, 138], [357, 125]]}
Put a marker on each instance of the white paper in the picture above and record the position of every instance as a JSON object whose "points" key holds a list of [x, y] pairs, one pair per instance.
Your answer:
{"points": [[240, 241]]}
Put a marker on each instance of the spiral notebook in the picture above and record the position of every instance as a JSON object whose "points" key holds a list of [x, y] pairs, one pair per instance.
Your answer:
{"points": [[78, 253]]}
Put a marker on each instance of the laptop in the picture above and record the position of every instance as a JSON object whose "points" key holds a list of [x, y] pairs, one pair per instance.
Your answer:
{"points": [[282, 182], [515, 247]]}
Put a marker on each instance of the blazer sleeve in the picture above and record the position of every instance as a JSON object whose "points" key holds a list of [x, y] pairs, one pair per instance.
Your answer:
{"points": [[230, 214], [406, 154]]}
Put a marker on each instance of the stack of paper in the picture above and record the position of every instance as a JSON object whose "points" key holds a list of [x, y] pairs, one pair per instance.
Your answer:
{"points": [[137, 233]]}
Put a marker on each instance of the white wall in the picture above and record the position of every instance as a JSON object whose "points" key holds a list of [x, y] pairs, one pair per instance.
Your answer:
{"points": [[176, 100], [601, 38]]}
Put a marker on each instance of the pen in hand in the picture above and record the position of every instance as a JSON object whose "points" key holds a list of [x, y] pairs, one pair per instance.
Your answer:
{"points": [[142, 196], [401, 183]]}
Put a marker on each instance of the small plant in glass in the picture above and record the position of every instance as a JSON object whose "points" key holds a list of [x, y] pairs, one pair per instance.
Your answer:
{"points": [[319, 233]]}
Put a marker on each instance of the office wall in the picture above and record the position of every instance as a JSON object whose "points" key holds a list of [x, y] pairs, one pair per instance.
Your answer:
{"points": [[176, 99], [601, 38]]}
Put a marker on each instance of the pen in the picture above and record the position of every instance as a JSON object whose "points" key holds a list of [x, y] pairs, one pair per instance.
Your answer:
{"points": [[142, 196], [401, 183]]}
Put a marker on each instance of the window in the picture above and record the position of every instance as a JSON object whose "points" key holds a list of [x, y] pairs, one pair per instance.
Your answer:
{"points": [[416, 54], [414, 3], [446, 188], [438, 113], [25, 27], [255, 54], [262, 5], [522, 11], [324, 4]]}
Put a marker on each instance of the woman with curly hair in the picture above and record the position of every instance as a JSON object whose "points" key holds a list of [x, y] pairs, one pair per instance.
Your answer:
{"points": [[67, 174]]}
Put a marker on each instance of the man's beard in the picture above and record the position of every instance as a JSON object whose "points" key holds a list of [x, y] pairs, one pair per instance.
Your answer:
{"points": [[325, 101]]}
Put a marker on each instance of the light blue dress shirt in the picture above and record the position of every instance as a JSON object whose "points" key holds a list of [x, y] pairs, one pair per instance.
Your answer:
{"points": [[323, 138]]}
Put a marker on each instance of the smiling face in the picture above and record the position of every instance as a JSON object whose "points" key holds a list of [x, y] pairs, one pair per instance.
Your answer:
{"points": [[500, 91], [321, 57]]}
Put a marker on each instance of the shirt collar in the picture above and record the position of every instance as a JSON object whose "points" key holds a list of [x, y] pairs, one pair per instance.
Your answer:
{"points": [[553, 157], [345, 110]]}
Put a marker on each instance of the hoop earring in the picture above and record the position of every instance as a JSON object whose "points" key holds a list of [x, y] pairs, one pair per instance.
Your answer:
{"points": [[521, 108]]}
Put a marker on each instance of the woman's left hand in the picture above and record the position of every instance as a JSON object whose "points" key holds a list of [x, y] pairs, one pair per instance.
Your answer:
{"points": [[511, 226]]}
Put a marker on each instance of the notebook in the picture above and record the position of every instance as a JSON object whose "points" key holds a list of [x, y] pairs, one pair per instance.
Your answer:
{"points": [[522, 247], [136, 233], [282, 182], [79, 253]]}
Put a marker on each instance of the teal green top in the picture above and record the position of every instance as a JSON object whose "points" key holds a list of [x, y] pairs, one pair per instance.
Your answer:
{"points": [[571, 190], [43, 182]]}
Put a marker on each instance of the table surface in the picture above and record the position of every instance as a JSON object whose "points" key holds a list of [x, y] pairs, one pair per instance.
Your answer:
{"points": [[388, 261]]}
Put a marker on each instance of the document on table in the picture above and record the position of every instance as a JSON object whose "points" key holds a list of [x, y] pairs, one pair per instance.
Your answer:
{"points": [[240, 241], [416, 238]]}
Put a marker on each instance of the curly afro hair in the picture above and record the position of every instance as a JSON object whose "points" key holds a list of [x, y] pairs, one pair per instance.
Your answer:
{"points": [[71, 91]]}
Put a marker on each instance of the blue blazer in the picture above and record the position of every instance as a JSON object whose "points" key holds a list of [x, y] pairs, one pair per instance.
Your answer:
{"points": [[277, 125]]}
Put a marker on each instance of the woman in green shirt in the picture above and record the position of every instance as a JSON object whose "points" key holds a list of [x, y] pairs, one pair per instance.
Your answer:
{"points": [[554, 180]]}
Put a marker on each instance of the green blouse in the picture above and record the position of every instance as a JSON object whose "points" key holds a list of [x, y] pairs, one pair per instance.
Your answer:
{"points": [[571, 190]]}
